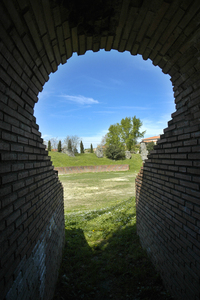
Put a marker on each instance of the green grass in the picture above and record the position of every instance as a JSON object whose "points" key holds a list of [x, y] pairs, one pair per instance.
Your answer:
{"points": [[90, 159], [96, 190], [103, 258]]}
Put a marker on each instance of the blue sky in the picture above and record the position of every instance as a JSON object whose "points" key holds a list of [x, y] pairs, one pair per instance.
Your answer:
{"points": [[91, 92]]}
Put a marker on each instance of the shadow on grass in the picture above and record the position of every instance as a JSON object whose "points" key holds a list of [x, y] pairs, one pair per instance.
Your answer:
{"points": [[114, 268]]}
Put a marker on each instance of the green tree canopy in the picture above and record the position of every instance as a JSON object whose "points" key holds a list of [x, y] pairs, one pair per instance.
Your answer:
{"points": [[49, 146], [91, 149], [114, 152], [125, 134], [59, 146], [150, 146], [81, 147], [113, 136], [71, 142], [69, 145]]}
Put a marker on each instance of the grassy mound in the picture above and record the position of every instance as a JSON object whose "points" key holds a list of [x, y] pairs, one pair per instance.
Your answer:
{"points": [[90, 159]]}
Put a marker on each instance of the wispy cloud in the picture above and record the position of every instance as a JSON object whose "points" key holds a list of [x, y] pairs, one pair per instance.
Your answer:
{"points": [[130, 107], [80, 99], [155, 127], [46, 137], [104, 112], [109, 83], [116, 82], [64, 113]]}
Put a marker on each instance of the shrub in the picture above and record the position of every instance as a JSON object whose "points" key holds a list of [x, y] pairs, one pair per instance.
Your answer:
{"points": [[150, 146], [114, 152]]}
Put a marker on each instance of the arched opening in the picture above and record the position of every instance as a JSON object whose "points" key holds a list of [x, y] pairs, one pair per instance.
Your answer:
{"points": [[91, 92], [100, 89]]}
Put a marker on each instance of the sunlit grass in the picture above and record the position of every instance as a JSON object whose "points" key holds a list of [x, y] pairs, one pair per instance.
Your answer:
{"points": [[90, 159], [90, 191], [103, 258]]}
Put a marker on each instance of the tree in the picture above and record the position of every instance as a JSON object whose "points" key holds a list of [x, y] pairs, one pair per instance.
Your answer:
{"points": [[103, 140], [125, 134], [81, 147], [113, 136], [59, 146], [54, 143], [69, 145], [74, 140], [91, 149], [49, 146], [114, 152]]}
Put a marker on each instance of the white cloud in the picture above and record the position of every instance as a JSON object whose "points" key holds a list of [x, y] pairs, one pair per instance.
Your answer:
{"points": [[80, 99], [46, 137], [155, 127]]}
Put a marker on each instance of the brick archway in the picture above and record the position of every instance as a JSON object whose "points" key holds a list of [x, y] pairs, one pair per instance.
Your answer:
{"points": [[35, 37]]}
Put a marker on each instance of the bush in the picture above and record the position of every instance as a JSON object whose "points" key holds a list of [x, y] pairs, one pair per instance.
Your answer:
{"points": [[150, 146], [114, 152]]}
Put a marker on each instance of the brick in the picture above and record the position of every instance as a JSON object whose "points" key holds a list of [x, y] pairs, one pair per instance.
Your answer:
{"points": [[12, 217], [20, 201], [22, 174], [8, 200], [7, 232], [21, 245], [28, 222], [195, 171], [16, 148], [9, 178], [21, 220], [9, 137], [18, 185]]}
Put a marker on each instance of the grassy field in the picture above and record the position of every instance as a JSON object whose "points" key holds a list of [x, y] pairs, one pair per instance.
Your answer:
{"points": [[96, 190], [90, 159], [103, 258]]}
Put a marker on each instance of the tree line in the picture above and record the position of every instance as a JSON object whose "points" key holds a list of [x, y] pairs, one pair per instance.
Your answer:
{"points": [[120, 137], [70, 143]]}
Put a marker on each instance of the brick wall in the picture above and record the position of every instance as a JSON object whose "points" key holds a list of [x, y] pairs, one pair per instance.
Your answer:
{"points": [[86, 169], [35, 37], [168, 205]]}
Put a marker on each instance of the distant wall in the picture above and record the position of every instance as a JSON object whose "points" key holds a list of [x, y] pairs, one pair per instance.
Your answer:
{"points": [[86, 169]]}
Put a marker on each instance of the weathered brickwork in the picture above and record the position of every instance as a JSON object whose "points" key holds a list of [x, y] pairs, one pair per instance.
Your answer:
{"points": [[86, 169], [168, 201], [35, 37]]}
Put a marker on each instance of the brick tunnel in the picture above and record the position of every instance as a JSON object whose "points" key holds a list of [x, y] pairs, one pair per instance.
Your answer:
{"points": [[35, 37]]}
